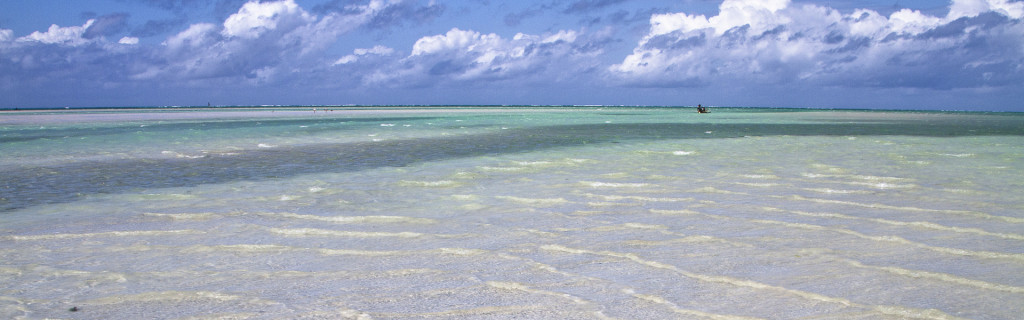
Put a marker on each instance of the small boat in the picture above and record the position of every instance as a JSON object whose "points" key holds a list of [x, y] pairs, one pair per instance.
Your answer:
{"points": [[701, 109]]}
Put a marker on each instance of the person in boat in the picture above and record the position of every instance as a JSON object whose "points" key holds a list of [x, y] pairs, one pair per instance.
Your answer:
{"points": [[701, 109]]}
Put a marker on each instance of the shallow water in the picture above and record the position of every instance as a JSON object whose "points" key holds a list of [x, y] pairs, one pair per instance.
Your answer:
{"points": [[556, 213]]}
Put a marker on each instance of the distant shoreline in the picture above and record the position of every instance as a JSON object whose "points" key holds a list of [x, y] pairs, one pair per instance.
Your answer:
{"points": [[7, 110], [338, 107], [49, 116]]}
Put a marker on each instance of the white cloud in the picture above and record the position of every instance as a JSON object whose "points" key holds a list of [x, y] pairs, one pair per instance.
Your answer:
{"points": [[196, 36], [71, 36], [346, 59], [378, 50], [911, 22], [129, 40], [972, 8], [257, 18], [6, 35], [360, 52], [264, 42], [764, 42], [466, 55], [454, 41]]}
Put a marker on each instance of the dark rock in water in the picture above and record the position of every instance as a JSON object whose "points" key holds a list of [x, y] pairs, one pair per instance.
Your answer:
{"points": [[73, 309]]}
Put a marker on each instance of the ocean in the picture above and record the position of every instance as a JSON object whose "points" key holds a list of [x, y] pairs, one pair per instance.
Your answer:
{"points": [[501, 213]]}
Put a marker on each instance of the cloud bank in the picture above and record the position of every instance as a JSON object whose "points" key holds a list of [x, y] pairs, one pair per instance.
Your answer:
{"points": [[978, 44], [462, 57]]}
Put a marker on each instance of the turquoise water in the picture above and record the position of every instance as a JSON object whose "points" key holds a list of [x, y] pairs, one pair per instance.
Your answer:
{"points": [[557, 213]]}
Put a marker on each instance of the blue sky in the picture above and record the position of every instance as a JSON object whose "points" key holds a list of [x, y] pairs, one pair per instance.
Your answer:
{"points": [[906, 54]]}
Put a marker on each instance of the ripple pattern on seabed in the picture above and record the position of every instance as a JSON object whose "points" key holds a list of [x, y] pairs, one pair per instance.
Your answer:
{"points": [[740, 228]]}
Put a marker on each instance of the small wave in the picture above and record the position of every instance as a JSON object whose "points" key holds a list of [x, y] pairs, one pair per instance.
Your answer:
{"points": [[962, 191], [353, 219], [885, 206], [279, 249], [467, 175], [760, 176], [184, 216], [611, 204], [617, 175], [171, 296], [182, 155], [51, 272], [441, 251], [535, 201], [533, 163], [836, 191], [487, 312], [878, 178], [896, 239], [524, 288], [916, 224], [635, 198], [240, 248], [854, 176], [685, 212], [958, 155], [597, 184], [434, 184], [829, 168], [715, 190], [675, 153], [162, 196], [759, 185], [501, 169], [945, 277], [885, 185], [264, 145], [679, 310], [472, 207], [745, 283], [629, 226], [687, 240], [339, 233], [140, 233]]}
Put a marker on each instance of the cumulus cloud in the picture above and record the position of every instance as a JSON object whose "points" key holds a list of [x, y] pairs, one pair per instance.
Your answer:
{"points": [[387, 14], [129, 40], [61, 57], [259, 43], [71, 36], [245, 44], [278, 43], [463, 56], [255, 19], [264, 41], [6, 35], [774, 41], [359, 53]]}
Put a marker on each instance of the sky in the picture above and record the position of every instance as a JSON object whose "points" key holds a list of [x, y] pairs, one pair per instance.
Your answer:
{"points": [[889, 54]]}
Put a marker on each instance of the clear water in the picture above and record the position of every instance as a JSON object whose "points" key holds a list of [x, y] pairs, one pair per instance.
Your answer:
{"points": [[554, 213]]}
